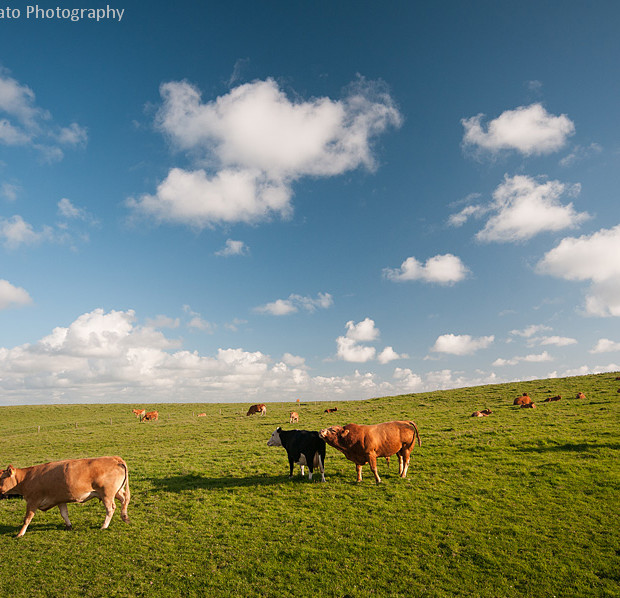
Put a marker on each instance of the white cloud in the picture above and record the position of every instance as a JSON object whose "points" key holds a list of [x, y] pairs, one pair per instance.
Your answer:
{"points": [[12, 296], [388, 354], [162, 321], [15, 231], [364, 331], [407, 380], [558, 341], [461, 344], [530, 130], [604, 345], [594, 258], [284, 307], [531, 330], [22, 122], [9, 191], [442, 269], [256, 142], [350, 350], [233, 248], [533, 358], [523, 207], [460, 218], [197, 322], [579, 153]]}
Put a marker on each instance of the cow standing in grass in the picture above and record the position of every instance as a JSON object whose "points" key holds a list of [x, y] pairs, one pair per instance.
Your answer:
{"points": [[150, 416], [260, 408], [302, 447], [139, 413], [74, 480], [363, 444]]}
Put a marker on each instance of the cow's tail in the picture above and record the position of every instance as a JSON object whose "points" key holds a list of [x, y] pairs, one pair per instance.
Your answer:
{"points": [[417, 434], [123, 492]]}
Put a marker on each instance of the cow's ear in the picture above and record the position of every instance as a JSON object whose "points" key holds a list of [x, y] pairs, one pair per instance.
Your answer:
{"points": [[345, 433], [10, 470], [278, 429]]}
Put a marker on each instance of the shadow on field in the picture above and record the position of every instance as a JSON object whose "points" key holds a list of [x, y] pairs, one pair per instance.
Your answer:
{"points": [[179, 483], [569, 447]]}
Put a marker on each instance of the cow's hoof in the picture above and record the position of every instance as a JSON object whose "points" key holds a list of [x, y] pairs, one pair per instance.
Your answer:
{"points": [[125, 518], [68, 527]]}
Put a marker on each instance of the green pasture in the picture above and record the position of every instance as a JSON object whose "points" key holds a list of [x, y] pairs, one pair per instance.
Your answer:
{"points": [[525, 502]]}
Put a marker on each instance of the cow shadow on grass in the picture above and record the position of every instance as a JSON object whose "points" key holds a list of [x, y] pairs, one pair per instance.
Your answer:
{"points": [[570, 447], [192, 481]]}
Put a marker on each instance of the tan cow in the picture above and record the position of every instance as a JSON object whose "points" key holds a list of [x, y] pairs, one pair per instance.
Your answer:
{"points": [[522, 400], [580, 395], [294, 417], [151, 415], [139, 413], [202, 415], [259, 408], [363, 444], [483, 413], [74, 480], [552, 399]]}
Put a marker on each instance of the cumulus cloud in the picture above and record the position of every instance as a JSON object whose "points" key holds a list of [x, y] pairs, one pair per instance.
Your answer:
{"points": [[15, 231], [442, 269], [604, 345], [530, 331], [388, 354], [529, 130], [350, 350], [364, 331], [23, 123], [253, 143], [461, 344], [233, 248], [12, 296], [594, 258], [533, 358], [284, 307], [524, 207]]}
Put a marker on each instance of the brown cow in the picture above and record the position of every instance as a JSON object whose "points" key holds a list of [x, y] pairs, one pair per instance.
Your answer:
{"points": [[331, 410], [294, 417], [551, 399], [151, 415], [363, 444], [74, 480], [483, 413], [139, 413], [580, 395], [522, 400], [260, 408], [202, 415]]}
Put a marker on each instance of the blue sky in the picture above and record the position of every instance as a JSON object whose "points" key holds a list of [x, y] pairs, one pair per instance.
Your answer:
{"points": [[248, 201]]}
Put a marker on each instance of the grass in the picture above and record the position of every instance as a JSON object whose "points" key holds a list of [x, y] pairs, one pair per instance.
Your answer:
{"points": [[525, 502]]}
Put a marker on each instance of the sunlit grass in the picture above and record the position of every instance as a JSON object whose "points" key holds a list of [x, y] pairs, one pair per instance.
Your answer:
{"points": [[525, 502]]}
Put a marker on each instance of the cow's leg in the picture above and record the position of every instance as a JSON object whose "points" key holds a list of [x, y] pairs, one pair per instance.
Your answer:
{"points": [[110, 507], [291, 463], [62, 507], [124, 495], [359, 472], [310, 463], [372, 460], [400, 463], [404, 455], [30, 511], [321, 467]]}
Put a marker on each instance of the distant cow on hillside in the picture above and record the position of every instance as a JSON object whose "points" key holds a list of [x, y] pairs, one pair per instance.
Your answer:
{"points": [[528, 406], [580, 395], [294, 417], [330, 410], [483, 413], [259, 408], [139, 413], [524, 399], [551, 399], [151, 415]]}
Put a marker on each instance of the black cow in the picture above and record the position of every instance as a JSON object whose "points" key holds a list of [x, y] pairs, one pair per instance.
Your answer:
{"points": [[303, 447]]}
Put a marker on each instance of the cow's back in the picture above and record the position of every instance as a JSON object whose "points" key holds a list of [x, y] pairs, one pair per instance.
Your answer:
{"points": [[383, 439]]}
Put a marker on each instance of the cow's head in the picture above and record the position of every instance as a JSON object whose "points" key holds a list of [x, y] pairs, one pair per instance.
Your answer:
{"points": [[275, 438], [7, 480], [335, 436]]}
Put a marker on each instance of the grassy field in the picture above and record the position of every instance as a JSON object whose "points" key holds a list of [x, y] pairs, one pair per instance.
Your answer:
{"points": [[525, 502]]}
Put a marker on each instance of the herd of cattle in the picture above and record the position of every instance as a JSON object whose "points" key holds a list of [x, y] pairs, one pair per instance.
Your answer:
{"points": [[525, 402], [107, 478]]}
